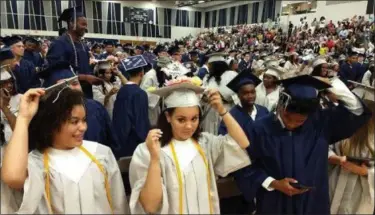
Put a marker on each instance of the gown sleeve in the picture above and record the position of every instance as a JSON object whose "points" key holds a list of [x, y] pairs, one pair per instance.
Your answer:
{"points": [[54, 53], [140, 109], [137, 176], [33, 190], [227, 156], [119, 201], [98, 94]]}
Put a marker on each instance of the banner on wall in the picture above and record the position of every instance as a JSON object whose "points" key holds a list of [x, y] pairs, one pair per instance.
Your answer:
{"points": [[138, 15]]}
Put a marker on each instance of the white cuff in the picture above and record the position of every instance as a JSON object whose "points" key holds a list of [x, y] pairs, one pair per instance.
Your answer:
{"points": [[351, 102], [266, 184]]}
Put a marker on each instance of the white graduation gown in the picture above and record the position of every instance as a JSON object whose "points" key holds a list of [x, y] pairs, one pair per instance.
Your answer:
{"points": [[212, 121], [351, 193], [14, 104], [77, 185], [150, 80], [10, 199], [99, 95], [269, 101], [224, 156]]}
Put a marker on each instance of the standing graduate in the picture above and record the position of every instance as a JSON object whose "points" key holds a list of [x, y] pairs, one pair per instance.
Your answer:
{"points": [[31, 52], [98, 121], [24, 71], [174, 171], [63, 174], [109, 46], [246, 111], [288, 174], [130, 112], [70, 48], [351, 181]]}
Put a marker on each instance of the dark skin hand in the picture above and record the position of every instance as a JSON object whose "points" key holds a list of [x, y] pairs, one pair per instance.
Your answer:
{"points": [[285, 187]]}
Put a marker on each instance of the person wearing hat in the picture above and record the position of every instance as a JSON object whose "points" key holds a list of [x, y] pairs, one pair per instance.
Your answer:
{"points": [[159, 51], [192, 62], [154, 79], [245, 64], [9, 102], [96, 50], [24, 70], [139, 50], [130, 112], [292, 67], [148, 56], [320, 68], [112, 81], [218, 77], [347, 71], [31, 53], [174, 171], [288, 150], [70, 48], [63, 173], [98, 121], [353, 161], [268, 90], [109, 46]]}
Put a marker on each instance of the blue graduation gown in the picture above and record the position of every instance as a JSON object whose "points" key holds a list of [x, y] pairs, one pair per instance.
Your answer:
{"points": [[62, 50], [25, 76], [299, 154], [99, 127], [33, 57], [242, 117], [130, 118], [243, 65], [347, 72]]}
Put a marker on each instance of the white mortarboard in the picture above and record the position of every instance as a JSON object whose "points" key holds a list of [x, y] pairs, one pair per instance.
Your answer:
{"points": [[318, 61], [175, 70], [217, 56], [103, 64], [180, 95], [274, 71], [363, 91], [4, 73], [134, 62]]}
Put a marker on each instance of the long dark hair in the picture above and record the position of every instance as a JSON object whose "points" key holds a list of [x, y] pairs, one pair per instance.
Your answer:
{"points": [[317, 71], [51, 116], [111, 80], [160, 75], [166, 127], [217, 68]]}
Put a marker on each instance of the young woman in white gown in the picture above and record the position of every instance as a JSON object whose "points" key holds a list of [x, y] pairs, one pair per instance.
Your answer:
{"points": [[63, 173], [352, 184], [174, 171]]}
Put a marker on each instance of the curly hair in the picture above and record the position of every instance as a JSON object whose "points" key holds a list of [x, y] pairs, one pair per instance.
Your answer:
{"points": [[51, 116]]}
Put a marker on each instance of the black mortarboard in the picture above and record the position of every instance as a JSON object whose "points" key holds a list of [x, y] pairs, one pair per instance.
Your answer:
{"points": [[71, 14], [8, 41], [242, 79], [109, 43], [96, 45], [5, 54], [133, 62], [31, 40], [304, 86]]}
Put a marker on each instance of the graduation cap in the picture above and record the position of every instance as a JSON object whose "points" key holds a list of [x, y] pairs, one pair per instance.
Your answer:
{"points": [[109, 43], [243, 78], [180, 95], [96, 45], [103, 65], [31, 40], [71, 14], [5, 73], [5, 54], [216, 56], [363, 91], [318, 61], [304, 87], [9, 41], [140, 48], [55, 72], [173, 50], [274, 70], [134, 62]]}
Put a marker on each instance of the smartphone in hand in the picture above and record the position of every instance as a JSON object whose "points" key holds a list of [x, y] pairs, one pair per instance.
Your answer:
{"points": [[301, 186]]}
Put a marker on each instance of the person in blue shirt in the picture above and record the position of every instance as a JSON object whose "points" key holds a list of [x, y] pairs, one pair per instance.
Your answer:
{"points": [[99, 124], [69, 47], [130, 112], [288, 173], [24, 70], [31, 54], [347, 71], [245, 113]]}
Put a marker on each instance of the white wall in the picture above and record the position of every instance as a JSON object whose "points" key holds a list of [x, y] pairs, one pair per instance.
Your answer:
{"points": [[336, 12]]}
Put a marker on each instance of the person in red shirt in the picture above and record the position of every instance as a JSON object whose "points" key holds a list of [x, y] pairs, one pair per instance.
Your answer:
{"points": [[330, 43]]}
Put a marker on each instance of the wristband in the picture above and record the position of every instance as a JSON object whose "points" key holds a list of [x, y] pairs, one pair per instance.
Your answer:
{"points": [[221, 115]]}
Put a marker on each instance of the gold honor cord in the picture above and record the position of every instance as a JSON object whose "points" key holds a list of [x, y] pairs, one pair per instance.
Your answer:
{"points": [[179, 176], [93, 159]]}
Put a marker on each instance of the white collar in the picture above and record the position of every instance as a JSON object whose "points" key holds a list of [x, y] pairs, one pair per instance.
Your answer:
{"points": [[253, 113], [185, 151], [72, 163], [130, 82]]}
